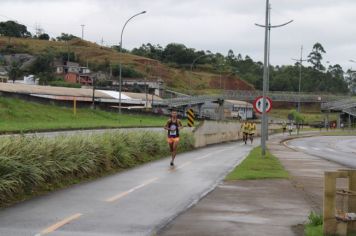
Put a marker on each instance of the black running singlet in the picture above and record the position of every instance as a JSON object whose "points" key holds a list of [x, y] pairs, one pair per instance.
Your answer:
{"points": [[173, 131]]}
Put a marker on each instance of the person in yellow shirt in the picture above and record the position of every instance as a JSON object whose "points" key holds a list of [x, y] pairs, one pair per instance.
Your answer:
{"points": [[244, 129], [252, 130]]}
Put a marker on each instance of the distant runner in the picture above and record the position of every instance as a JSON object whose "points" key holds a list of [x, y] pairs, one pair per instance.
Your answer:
{"points": [[244, 129], [252, 131], [284, 127], [173, 126]]}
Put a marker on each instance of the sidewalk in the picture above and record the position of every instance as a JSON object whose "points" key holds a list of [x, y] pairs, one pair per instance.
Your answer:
{"points": [[260, 207]]}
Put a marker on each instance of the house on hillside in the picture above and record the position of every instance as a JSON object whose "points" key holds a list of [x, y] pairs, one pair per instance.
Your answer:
{"points": [[74, 73]]}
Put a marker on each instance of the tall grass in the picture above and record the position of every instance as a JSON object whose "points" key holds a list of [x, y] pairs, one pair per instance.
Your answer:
{"points": [[29, 165]]}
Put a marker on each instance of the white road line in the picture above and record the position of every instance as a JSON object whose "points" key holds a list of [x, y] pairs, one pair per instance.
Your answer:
{"points": [[304, 148], [316, 149], [330, 150], [123, 194]]}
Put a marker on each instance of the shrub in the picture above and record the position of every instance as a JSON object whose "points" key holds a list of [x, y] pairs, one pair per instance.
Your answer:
{"points": [[59, 83], [315, 219], [32, 164]]}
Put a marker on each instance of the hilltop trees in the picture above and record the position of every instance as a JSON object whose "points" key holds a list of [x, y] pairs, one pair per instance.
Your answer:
{"points": [[316, 56], [66, 37], [282, 78], [13, 29]]}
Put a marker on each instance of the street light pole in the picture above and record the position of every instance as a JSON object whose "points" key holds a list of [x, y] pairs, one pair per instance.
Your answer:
{"points": [[120, 63], [267, 26], [82, 31], [265, 74], [300, 74], [191, 72]]}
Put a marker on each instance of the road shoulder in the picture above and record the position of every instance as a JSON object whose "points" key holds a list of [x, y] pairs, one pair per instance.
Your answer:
{"points": [[260, 207]]}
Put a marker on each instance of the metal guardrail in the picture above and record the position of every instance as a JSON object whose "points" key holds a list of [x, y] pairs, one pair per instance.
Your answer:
{"points": [[339, 104], [248, 95], [351, 111]]}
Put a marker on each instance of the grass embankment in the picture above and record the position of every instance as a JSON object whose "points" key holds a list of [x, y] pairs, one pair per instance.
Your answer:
{"points": [[257, 167], [31, 166], [20, 116], [310, 116]]}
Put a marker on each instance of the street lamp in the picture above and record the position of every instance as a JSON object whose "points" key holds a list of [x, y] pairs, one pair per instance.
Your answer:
{"points": [[120, 64], [191, 70], [300, 74], [267, 26]]}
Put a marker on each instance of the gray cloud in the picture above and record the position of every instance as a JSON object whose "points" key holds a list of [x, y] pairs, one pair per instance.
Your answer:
{"points": [[201, 24]]}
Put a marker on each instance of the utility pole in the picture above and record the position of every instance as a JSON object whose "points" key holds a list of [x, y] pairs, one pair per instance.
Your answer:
{"points": [[82, 31], [267, 26], [300, 61], [102, 42]]}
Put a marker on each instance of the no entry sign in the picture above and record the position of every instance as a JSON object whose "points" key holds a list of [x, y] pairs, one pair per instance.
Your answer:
{"points": [[258, 104]]}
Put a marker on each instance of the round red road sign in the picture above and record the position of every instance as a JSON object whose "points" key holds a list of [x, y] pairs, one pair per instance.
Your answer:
{"points": [[258, 104]]}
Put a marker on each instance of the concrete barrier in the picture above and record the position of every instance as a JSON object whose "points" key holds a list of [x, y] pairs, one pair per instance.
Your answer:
{"points": [[213, 132]]}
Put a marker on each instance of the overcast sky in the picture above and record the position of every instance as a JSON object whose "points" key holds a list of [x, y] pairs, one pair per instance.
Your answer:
{"points": [[201, 24]]}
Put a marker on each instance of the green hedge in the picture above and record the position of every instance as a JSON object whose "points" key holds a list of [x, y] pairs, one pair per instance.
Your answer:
{"points": [[31, 165]]}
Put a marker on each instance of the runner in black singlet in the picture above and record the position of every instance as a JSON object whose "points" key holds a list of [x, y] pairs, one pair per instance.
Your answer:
{"points": [[173, 126]]}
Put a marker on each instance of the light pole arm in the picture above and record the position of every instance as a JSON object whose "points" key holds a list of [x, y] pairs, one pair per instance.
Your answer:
{"points": [[123, 28], [195, 60], [275, 26]]}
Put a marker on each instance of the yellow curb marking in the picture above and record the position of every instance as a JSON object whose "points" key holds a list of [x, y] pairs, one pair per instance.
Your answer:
{"points": [[123, 194], [184, 165], [59, 224], [208, 155]]}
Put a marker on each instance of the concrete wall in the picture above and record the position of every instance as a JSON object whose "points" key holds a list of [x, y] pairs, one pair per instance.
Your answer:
{"points": [[212, 132]]}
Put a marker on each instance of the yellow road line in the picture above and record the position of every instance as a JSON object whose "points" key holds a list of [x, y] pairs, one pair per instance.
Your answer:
{"points": [[59, 224], [123, 194], [213, 153], [184, 165]]}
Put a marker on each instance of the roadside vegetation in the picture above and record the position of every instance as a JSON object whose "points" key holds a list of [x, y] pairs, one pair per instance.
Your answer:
{"points": [[309, 115], [314, 227], [257, 167], [32, 165], [21, 116]]}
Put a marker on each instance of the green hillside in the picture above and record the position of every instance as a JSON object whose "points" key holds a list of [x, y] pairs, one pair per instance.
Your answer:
{"points": [[203, 80], [21, 116]]}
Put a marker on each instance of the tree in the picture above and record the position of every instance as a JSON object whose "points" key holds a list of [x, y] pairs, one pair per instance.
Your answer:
{"points": [[316, 56], [231, 56], [66, 37], [13, 29], [14, 71], [42, 67], [351, 80], [336, 71], [43, 36]]}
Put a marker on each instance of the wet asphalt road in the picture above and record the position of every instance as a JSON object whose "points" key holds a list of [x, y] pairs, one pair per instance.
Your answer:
{"points": [[135, 202], [340, 149]]}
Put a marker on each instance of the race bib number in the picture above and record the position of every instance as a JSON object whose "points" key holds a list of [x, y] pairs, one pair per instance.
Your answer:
{"points": [[173, 130]]}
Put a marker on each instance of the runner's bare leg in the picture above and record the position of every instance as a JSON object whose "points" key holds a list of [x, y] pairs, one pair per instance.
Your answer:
{"points": [[174, 152]]}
